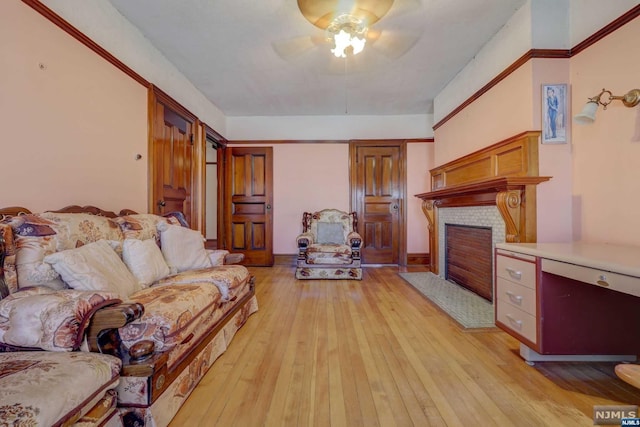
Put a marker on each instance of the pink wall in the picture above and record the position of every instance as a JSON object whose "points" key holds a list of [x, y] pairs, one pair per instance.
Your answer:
{"points": [[310, 177], [306, 177], [500, 113], [509, 108], [554, 197], [72, 127], [419, 162], [606, 157]]}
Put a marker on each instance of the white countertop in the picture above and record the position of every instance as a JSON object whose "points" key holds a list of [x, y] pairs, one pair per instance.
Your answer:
{"points": [[614, 258]]}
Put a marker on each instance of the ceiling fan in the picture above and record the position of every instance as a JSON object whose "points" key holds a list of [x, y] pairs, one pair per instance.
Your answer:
{"points": [[350, 27]]}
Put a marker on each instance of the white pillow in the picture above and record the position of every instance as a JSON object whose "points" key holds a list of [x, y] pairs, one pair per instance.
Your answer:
{"points": [[94, 267], [144, 260], [183, 248]]}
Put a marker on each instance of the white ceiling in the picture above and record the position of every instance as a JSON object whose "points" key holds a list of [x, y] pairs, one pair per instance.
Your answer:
{"points": [[242, 54]]}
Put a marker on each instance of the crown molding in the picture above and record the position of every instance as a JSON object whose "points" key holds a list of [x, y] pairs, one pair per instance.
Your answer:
{"points": [[548, 54], [82, 38]]}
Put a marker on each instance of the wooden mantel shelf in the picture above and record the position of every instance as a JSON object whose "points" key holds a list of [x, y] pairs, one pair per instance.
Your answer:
{"points": [[504, 174], [488, 186]]}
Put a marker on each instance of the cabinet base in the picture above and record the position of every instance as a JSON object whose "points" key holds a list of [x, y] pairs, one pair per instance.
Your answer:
{"points": [[530, 356]]}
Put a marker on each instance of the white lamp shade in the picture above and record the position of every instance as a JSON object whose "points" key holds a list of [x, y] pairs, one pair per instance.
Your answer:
{"points": [[588, 113]]}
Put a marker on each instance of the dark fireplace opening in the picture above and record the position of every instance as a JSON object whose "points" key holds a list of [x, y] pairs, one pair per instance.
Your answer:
{"points": [[469, 258]]}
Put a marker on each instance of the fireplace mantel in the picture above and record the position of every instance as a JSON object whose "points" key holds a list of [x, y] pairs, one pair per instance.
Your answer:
{"points": [[504, 174], [471, 194]]}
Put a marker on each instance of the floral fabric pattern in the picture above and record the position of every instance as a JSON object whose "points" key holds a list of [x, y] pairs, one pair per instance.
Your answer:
{"points": [[171, 313], [329, 260], [188, 303], [48, 390], [39, 235], [132, 390], [143, 226], [229, 279], [329, 273], [329, 254], [50, 320]]}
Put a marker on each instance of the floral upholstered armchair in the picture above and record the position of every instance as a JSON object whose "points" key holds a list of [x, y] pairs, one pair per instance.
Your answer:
{"points": [[329, 246]]}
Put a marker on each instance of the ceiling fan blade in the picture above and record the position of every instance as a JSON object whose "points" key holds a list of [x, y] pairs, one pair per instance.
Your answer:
{"points": [[291, 48], [392, 44], [402, 7]]}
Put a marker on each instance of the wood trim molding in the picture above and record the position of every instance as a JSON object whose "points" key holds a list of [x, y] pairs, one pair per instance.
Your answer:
{"points": [[288, 141], [531, 54], [545, 53], [606, 30], [323, 141], [215, 135], [285, 259], [164, 98], [82, 38], [419, 259]]}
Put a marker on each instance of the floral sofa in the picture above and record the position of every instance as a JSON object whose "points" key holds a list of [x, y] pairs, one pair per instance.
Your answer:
{"points": [[72, 276]]}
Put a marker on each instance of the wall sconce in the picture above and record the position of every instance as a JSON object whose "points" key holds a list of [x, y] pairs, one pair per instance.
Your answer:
{"points": [[588, 113]]}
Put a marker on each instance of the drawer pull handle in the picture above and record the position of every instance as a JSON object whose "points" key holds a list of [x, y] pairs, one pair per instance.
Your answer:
{"points": [[516, 299], [514, 273], [517, 324], [602, 281]]}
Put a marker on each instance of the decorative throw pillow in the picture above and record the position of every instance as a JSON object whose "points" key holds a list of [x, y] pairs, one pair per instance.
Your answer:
{"points": [[142, 226], [330, 233], [183, 248], [144, 260], [51, 320], [94, 267]]}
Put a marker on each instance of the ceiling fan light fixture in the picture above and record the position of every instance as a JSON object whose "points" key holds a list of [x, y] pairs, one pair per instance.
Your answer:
{"points": [[348, 34]]}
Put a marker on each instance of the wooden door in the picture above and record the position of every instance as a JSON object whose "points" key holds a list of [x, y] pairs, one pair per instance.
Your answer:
{"points": [[248, 200], [174, 161], [377, 195]]}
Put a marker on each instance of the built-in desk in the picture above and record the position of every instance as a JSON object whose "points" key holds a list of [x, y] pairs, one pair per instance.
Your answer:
{"points": [[569, 301]]}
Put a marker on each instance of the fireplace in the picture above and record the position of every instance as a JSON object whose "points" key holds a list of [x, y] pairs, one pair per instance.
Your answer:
{"points": [[501, 178], [468, 258]]}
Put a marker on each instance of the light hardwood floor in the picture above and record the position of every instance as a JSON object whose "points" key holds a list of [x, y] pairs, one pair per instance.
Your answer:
{"points": [[377, 353]]}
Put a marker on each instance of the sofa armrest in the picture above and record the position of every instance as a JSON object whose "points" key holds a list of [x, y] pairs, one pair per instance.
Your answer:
{"points": [[305, 239], [224, 257], [102, 333], [354, 240], [233, 258]]}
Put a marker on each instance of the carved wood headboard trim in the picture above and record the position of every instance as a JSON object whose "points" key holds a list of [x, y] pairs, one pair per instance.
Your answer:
{"points": [[19, 210]]}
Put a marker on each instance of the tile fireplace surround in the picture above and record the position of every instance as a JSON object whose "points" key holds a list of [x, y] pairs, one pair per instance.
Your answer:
{"points": [[493, 187]]}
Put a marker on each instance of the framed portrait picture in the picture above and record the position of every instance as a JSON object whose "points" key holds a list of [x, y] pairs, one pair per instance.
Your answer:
{"points": [[555, 119]]}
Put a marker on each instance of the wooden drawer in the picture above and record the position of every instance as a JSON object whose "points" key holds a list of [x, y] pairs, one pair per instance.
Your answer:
{"points": [[516, 270], [616, 282], [517, 320], [517, 295]]}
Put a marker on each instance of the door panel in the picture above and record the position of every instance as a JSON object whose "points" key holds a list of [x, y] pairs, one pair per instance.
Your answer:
{"points": [[248, 204], [173, 162], [378, 196]]}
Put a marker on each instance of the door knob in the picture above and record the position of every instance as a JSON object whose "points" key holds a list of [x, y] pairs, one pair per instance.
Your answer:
{"points": [[161, 203], [268, 206], [393, 208]]}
